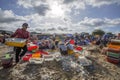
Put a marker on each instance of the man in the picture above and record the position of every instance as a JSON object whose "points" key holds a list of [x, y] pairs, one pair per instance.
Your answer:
{"points": [[24, 34]]}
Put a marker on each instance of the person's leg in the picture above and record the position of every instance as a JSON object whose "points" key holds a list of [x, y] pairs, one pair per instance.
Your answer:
{"points": [[18, 50], [24, 51], [14, 49]]}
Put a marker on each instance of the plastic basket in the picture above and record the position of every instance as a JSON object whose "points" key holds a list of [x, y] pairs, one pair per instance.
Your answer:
{"points": [[36, 55], [113, 46], [114, 50], [27, 57], [33, 48], [48, 57], [84, 61], [17, 42], [116, 55], [113, 60], [70, 51], [6, 61], [36, 60]]}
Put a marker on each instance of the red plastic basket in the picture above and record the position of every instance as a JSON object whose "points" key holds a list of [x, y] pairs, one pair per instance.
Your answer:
{"points": [[113, 60], [26, 57], [79, 48], [30, 48]]}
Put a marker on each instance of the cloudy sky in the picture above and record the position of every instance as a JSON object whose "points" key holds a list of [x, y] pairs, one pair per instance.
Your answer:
{"points": [[61, 16]]}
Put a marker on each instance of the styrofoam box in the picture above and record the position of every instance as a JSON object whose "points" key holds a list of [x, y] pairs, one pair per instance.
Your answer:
{"points": [[48, 57], [36, 60], [83, 61]]}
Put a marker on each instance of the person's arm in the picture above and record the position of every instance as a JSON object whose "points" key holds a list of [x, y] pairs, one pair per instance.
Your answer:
{"points": [[15, 34]]}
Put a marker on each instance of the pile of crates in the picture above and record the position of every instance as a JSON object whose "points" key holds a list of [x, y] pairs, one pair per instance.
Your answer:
{"points": [[113, 53], [33, 52]]}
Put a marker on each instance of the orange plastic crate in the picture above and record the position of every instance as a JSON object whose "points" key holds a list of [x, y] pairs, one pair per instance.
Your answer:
{"points": [[36, 55], [114, 46]]}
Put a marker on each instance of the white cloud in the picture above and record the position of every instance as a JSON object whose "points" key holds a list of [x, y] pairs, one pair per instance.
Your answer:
{"points": [[89, 24], [39, 6], [54, 16], [29, 3], [113, 21], [7, 16], [61, 8], [46, 24], [10, 21], [97, 22], [55, 8], [94, 22], [98, 3]]}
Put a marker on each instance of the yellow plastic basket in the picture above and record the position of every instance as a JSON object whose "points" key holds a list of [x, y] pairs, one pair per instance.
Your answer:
{"points": [[70, 51], [16, 42]]}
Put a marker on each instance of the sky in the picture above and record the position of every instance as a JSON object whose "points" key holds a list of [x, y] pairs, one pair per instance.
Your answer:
{"points": [[61, 16]]}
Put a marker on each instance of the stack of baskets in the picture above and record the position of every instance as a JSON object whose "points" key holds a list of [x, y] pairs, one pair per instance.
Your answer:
{"points": [[33, 52], [113, 54]]}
